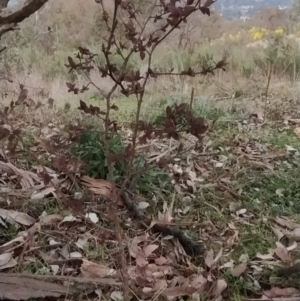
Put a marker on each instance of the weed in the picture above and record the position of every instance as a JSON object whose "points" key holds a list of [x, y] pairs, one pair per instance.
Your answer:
{"points": [[275, 192], [8, 233], [90, 149]]}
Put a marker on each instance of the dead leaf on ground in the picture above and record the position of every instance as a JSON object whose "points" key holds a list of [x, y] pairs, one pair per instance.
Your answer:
{"points": [[99, 186], [14, 217], [283, 254], [140, 259], [39, 195], [281, 292], [233, 206], [148, 250], [286, 222], [239, 269], [277, 232], [265, 256], [8, 245], [160, 284], [231, 240], [167, 215], [178, 291], [199, 283], [7, 261], [219, 255], [49, 219], [27, 178], [297, 131], [209, 258], [133, 245], [295, 234], [280, 232], [161, 260], [116, 295], [220, 286], [94, 270]]}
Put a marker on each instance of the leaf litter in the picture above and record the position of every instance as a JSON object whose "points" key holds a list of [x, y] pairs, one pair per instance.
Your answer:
{"points": [[77, 246]]}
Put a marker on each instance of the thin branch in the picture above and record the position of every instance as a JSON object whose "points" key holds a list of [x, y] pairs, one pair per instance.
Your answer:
{"points": [[10, 17]]}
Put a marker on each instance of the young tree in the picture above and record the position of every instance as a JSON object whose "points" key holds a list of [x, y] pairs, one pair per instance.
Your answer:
{"points": [[137, 37]]}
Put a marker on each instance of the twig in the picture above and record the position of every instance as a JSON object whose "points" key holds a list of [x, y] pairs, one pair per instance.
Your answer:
{"points": [[192, 99], [46, 247], [268, 86]]}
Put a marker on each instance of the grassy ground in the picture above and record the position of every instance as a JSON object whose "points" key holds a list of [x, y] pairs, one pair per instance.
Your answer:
{"points": [[241, 187]]}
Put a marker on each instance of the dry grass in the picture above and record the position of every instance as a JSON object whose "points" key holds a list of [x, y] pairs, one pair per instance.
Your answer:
{"points": [[78, 23]]}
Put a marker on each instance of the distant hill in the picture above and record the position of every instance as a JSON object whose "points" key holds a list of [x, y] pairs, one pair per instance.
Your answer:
{"points": [[235, 9]]}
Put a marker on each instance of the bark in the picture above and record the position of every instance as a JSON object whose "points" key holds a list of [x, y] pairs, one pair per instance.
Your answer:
{"points": [[11, 16]]}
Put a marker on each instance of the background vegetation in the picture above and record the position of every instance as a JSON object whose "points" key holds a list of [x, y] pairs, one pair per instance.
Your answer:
{"points": [[37, 53]]}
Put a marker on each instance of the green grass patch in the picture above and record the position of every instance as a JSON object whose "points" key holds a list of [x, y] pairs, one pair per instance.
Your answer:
{"points": [[277, 192], [282, 138]]}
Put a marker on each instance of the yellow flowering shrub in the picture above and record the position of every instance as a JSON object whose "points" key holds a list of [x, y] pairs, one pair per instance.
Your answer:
{"points": [[279, 31], [258, 33]]}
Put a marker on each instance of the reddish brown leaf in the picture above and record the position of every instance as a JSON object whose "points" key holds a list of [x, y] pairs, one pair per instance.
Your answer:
{"points": [[83, 106], [114, 107], [4, 133], [99, 186], [208, 3], [283, 254], [173, 10], [94, 270], [140, 259], [71, 62], [50, 103], [209, 258], [22, 96], [178, 291], [150, 249], [46, 177], [281, 292], [239, 269], [221, 64], [142, 55], [161, 260], [219, 288], [187, 11], [205, 10]]}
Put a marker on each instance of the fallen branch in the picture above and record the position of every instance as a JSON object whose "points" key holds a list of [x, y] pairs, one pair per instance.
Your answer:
{"points": [[16, 287], [10, 17], [55, 278]]}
